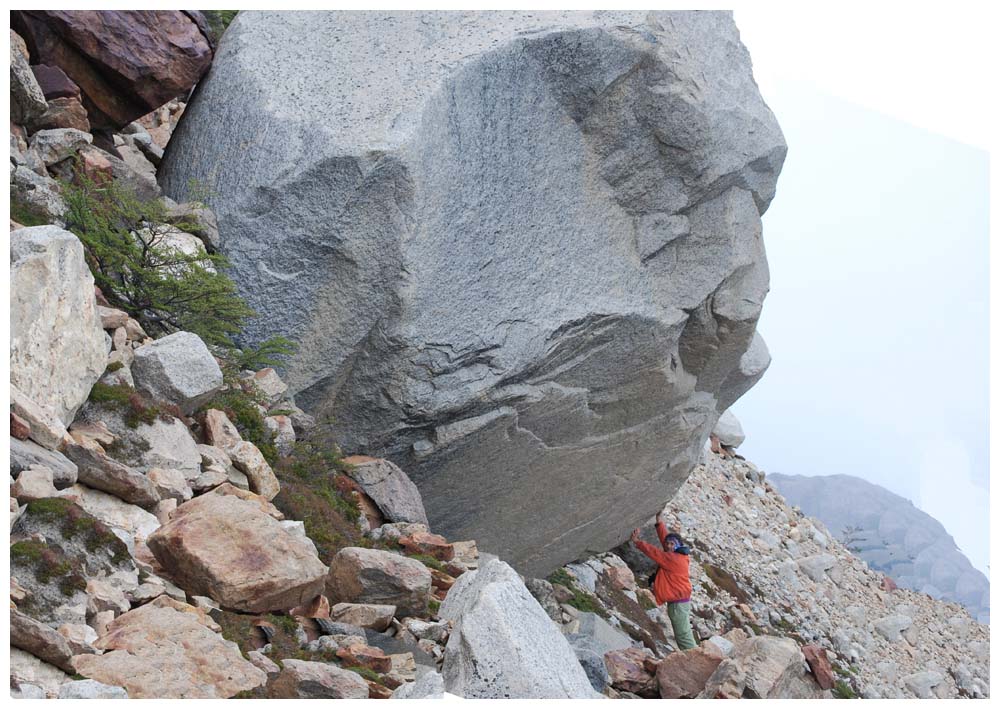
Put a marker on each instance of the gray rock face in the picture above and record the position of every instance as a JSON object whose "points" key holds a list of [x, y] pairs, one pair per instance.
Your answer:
{"points": [[178, 368], [503, 645], [57, 348], [891, 535], [521, 252]]}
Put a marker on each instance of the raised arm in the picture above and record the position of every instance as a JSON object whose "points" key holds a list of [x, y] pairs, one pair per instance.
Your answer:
{"points": [[657, 555]]}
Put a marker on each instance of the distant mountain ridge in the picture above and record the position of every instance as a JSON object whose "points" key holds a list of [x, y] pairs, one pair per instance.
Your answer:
{"points": [[892, 535]]}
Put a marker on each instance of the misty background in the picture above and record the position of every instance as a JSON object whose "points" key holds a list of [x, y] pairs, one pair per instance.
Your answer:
{"points": [[877, 320]]}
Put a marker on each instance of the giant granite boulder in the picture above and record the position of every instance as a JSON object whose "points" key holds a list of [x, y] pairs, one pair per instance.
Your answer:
{"points": [[125, 62], [57, 346], [521, 252]]}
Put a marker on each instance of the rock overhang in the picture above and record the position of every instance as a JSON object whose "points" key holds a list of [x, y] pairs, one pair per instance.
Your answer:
{"points": [[532, 279]]}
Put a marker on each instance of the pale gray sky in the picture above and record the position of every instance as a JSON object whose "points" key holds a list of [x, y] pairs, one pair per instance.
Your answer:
{"points": [[878, 314]]}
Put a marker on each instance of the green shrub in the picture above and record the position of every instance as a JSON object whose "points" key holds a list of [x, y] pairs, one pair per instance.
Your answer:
{"points": [[240, 405], [134, 406], [25, 213], [842, 690], [581, 600], [73, 521], [218, 21], [49, 564], [428, 561], [366, 672], [270, 353], [127, 248]]}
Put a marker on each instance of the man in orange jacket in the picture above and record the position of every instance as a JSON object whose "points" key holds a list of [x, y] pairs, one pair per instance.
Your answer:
{"points": [[672, 584]]}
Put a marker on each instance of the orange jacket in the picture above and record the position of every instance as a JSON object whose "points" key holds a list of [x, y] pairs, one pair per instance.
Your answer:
{"points": [[673, 581]]}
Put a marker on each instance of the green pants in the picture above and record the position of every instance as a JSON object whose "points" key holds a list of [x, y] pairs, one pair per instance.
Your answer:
{"points": [[680, 619]]}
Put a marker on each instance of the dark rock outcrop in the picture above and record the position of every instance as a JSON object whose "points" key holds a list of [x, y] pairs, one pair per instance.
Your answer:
{"points": [[126, 62]]}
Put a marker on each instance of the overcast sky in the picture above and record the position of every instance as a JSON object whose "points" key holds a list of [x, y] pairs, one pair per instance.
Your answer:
{"points": [[877, 318]]}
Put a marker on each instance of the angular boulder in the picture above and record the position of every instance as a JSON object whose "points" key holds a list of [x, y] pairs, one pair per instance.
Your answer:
{"points": [[126, 62], [233, 552], [359, 575], [683, 674], [89, 689], [302, 679], [429, 685], [503, 645], [27, 101], [543, 256], [57, 347], [40, 640], [169, 650], [96, 469], [763, 667], [177, 368], [25, 454], [628, 672], [363, 615], [728, 430], [397, 498]]}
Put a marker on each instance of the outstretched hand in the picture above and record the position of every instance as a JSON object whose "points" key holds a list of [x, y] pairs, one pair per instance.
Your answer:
{"points": [[635, 535]]}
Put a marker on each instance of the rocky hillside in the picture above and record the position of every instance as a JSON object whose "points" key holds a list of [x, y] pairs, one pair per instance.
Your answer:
{"points": [[783, 609], [519, 250], [181, 528], [892, 536]]}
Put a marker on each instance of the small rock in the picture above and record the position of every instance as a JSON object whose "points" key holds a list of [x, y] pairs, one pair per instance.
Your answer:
{"points": [[819, 665], [96, 469], [433, 545], [170, 484], [365, 656], [284, 435], [40, 640], [318, 680], [56, 144], [91, 689], [269, 384], [429, 685], [44, 425], [364, 615], [728, 430], [627, 672], [263, 662], [922, 683], [36, 483], [891, 627], [248, 459], [178, 368], [396, 496], [359, 575], [220, 431], [112, 318]]}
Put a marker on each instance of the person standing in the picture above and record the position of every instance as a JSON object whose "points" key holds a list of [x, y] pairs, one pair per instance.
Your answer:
{"points": [[672, 584]]}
